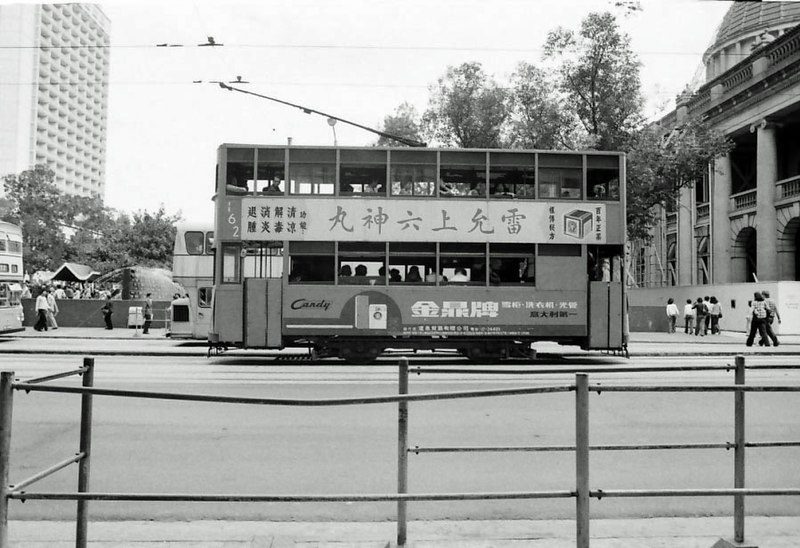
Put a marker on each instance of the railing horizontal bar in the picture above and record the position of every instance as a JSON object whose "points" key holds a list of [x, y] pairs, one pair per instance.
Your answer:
{"points": [[545, 448], [692, 388], [55, 376], [287, 402], [599, 494], [772, 444], [186, 497], [571, 370], [46, 472]]}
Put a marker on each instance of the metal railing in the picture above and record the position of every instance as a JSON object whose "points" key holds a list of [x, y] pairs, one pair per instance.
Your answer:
{"points": [[582, 492]]}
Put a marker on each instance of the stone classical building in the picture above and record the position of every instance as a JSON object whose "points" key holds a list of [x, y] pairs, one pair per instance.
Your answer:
{"points": [[740, 224], [54, 66]]}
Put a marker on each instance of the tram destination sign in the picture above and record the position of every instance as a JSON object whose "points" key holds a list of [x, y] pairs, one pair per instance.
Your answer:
{"points": [[382, 219]]}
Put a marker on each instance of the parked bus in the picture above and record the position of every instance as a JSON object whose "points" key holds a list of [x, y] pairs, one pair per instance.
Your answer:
{"points": [[350, 251], [11, 277], [192, 268]]}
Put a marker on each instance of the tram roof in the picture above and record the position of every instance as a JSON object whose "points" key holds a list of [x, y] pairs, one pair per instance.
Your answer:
{"points": [[428, 149]]}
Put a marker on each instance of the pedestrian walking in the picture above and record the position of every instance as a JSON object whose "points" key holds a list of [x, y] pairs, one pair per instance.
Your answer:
{"points": [[148, 313], [688, 317], [749, 316], [707, 302], [672, 314], [759, 320], [716, 315], [41, 311], [700, 311], [108, 310], [772, 315], [52, 310]]}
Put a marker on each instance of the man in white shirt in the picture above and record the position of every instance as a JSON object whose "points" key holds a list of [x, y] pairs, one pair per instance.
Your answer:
{"points": [[52, 310], [460, 275], [41, 311]]}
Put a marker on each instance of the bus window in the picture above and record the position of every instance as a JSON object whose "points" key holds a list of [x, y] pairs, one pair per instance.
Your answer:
{"points": [[311, 262], [240, 176], [231, 264], [463, 263], [462, 173], [512, 264], [209, 243], [413, 172], [5, 295], [204, 297], [560, 176], [602, 177], [412, 261], [194, 242], [362, 263]]}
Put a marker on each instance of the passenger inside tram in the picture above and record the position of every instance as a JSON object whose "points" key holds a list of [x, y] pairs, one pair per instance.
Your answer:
{"points": [[413, 275]]}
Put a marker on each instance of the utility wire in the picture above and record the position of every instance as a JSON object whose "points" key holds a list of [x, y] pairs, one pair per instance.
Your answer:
{"points": [[404, 140]]}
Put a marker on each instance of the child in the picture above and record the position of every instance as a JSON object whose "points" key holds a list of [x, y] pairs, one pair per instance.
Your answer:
{"points": [[688, 314]]}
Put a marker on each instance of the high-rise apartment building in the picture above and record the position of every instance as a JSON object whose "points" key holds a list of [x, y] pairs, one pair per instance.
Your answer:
{"points": [[54, 66]]}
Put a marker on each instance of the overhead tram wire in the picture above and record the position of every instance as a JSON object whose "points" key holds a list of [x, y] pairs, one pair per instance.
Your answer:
{"points": [[404, 140]]}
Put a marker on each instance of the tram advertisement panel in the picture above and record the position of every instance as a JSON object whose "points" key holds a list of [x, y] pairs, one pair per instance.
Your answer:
{"points": [[459, 311], [381, 219]]}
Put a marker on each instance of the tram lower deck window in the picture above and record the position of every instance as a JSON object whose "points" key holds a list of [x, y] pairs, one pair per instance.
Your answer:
{"points": [[512, 264], [231, 264]]}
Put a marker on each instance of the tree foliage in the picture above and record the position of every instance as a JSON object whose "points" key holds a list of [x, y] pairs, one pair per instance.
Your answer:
{"points": [[466, 108], [600, 74], [405, 122], [58, 228], [663, 161]]}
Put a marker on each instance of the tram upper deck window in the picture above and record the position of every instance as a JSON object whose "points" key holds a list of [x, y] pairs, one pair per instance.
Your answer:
{"points": [[311, 262], [312, 171], [512, 264], [412, 262], [462, 174], [270, 171], [231, 264], [194, 242], [463, 263], [240, 172], [602, 177], [362, 172], [512, 175], [561, 176], [413, 173]]}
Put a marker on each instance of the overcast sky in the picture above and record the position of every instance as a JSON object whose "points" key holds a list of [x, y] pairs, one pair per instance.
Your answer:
{"points": [[357, 59]]}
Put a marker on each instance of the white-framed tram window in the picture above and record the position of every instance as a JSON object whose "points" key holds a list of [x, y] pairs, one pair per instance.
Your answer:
{"points": [[231, 264]]}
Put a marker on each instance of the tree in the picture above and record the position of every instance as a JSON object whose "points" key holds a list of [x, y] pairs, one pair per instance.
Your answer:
{"points": [[663, 161], [405, 122], [35, 205], [466, 108], [600, 75], [538, 117]]}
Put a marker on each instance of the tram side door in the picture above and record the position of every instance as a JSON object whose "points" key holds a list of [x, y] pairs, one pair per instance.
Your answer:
{"points": [[606, 308], [262, 304]]}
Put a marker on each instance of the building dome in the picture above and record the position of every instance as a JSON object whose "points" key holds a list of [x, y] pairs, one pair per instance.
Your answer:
{"points": [[746, 26]]}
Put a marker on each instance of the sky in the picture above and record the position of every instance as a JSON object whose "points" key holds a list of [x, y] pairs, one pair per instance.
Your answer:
{"points": [[355, 59]]}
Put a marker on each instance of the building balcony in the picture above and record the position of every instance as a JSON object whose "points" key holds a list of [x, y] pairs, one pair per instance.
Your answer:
{"points": [[672, 223], [703, 213], [787, 190], [743, 202]]}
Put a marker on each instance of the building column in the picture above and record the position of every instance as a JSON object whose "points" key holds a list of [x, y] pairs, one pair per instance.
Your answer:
{"points": [[766, 219], [686, 243], [720, 222]]}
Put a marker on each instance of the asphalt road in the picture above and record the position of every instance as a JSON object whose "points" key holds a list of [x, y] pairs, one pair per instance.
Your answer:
{"points": [[162, 446]]}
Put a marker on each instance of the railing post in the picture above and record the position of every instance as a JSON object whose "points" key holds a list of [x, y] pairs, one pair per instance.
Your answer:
{"points": [[402, 452], [582, 459], [6, 407], [738, 453], [82, 519]]}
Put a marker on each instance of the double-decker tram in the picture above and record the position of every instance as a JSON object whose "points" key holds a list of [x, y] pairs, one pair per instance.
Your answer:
{"points": [[350, 251], [193, 269], [11, 277]]}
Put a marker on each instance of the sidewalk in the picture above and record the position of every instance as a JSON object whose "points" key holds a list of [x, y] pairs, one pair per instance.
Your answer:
{"points": [[94, 340], [764, 532]]}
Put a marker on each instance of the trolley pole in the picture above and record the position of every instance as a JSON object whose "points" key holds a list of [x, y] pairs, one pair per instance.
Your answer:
{"points": [[6, 406], [738, 453], [402, 453], [82, 518], [582, 459]]}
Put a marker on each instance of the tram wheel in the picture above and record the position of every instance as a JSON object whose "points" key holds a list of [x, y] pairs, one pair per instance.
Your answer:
{"points": [[484, 354], [358, 354]]}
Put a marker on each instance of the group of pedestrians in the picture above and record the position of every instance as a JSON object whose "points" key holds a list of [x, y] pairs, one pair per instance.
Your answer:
{"points": [[700, 317], [703, 316]]}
